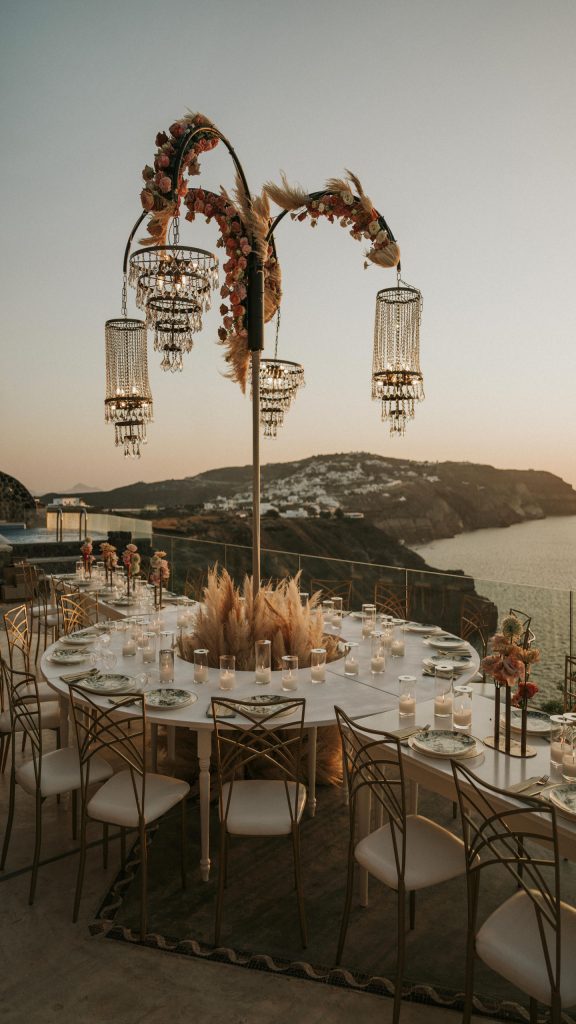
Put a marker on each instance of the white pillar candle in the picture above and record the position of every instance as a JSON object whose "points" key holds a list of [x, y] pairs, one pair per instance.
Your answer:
{"points": [[289, 681], [398, 649], [226, 679], [443, 705], [200, 673], [569, 766], [407, 705], [557, 749], [462, 716], [318, 673], [263, 675], [377, 663], [129, 648], [166, 673], [351, 666], [148, 655]]}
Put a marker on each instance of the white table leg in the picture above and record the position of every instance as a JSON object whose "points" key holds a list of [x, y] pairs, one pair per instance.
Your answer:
{"points": [[204, 749], [312, 737]]}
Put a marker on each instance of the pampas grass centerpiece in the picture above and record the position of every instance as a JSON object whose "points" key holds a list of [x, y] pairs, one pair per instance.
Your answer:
{"points": [[231, 620]]}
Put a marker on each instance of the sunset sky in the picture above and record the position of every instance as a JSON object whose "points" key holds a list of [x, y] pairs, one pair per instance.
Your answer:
{"points": [[457, 115]]}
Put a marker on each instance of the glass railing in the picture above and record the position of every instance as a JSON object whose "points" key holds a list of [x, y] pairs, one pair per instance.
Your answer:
{"points": [[461, 604]]}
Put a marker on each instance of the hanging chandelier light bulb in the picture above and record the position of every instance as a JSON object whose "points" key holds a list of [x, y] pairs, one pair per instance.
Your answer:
{"points": [[397, 381], [128, 403], [279, 381]]}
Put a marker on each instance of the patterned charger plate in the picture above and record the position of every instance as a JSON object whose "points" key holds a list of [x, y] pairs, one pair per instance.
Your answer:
{"points": [[538, 722], [63, 656], [261, 704], [169, 697], [108, 682], [418, 627], [445, 743], [447, 643], [74, 640]]}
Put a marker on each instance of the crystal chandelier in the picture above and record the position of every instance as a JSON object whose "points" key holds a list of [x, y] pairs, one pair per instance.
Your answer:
{"points": [[174, 285], [128, 402], [396, 376], [279, 383]]}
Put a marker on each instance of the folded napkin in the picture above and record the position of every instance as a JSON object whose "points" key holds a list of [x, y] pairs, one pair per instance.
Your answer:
{"points": [[75, 677], [528, 787], [407, 732]]}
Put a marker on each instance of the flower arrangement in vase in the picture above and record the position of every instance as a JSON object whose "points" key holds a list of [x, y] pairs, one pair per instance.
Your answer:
{"points": [[108, 552], [87, 556], [159, 575], [509, 665], [131, 562]]}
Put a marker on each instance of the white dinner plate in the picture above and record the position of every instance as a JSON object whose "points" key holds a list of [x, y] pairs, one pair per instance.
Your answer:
{"points": [[418, 627], [68, 657], [108, 682], [168, 697], [445, 743], [447, 643], [455, 665], [564, 797], [77, 641]]}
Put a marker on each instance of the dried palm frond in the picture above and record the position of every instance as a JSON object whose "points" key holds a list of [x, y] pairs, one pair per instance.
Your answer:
{"points": [[365, 200], [338, 185], [158, 226], [230, 622], [288, 197], [389, 256], [238, 358]]}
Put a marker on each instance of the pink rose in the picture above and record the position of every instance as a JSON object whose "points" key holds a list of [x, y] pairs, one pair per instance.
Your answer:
{"points": [[228, 322], [162, 160], [208, 209], [199, 206], [165, 184], [241, 291], [176, 130], [242, 262]]}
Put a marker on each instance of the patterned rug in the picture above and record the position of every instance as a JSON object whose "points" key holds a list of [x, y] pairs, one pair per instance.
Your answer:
{"points": [[260, 921]]}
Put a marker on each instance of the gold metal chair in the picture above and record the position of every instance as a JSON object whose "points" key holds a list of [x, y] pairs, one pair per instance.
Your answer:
{"points": [[528, 637], [78, 612], [569, 683], [334, 588], [45, 774], [477, 622], [531, 938], [259, 807], [17, 625], [132, 798], [392, 599], [409, 852], [196, 580]]}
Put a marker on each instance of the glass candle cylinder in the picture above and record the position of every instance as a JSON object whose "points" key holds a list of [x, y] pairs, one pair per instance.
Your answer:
{"points": [[398, 648], [351, 665], [378, 654], [387, 638], [181, 612], [338, 610], [368, 620], [289, 672], [327, 613], [80, 567], [318, 665], [166, 639], [166, 666], [227, 671], [129, 648], [442, 697], [263, 657], [406, 696], [149, 648], [462, 708], [558, 744], [201, 665]]}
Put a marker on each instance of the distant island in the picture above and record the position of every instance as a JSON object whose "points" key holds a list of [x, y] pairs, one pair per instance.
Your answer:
{"points": [[412, 502]]}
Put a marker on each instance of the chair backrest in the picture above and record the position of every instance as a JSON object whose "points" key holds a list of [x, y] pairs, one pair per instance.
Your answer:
{"points": [[334, 588], [514, 841], [24, 705], [111, 730], [392, 599], [78, 611], [570, 683], [17, 624], [196, 580], [373, 763], [262, 737], [477, 621]]}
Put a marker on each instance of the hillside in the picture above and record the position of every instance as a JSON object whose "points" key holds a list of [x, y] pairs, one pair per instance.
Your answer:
{"points": [[412, 501]]}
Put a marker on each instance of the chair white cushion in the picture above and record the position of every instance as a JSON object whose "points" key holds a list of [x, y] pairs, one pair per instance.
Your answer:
{"points": [[61, 772], [259, 807], [50, 613], [115, 801], [433, 854], [49, 716], [509, 942]]}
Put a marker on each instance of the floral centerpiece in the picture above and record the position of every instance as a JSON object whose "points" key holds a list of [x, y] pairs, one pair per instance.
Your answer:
{"points": [[509, 665], [131, 562], [110, 558], [159, 574], [87, 556]]}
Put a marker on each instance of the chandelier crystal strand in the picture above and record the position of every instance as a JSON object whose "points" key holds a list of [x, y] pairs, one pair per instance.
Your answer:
{"points": [[397, 381], [174, 285], [279, 383], [128, 402]]}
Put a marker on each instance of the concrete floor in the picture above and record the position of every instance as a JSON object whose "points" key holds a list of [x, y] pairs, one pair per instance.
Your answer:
{"points": [[54, 971]]}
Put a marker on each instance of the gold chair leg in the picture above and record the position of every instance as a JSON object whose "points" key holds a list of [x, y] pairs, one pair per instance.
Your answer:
{"points": [[347, 902], [5, 749], [299, 888], [81, 867], [37, 845], [183, 844], [412, 900], [222, 871], [143, 882], [9, 822], [401, 941]]}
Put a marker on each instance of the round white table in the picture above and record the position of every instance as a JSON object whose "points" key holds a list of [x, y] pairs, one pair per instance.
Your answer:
{"points": [[366, 695]]}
